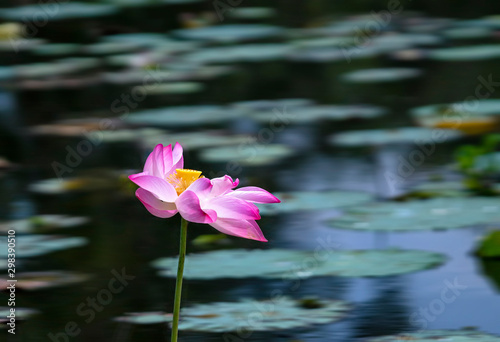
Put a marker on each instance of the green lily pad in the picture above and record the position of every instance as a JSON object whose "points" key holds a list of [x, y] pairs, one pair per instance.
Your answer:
{"points": [[54, 50], [437, 189], [110, 48], [238, 53], [440, 335], [65, 11], [437, 213], [267, 315], [314, 200], [290, 264], [488, 163], [144, 3], [196, 140], [59, 67], [43, 223], [457, 33], [173, 88], [56, 186], [409, 135], [457, 115], [144, 318], [184, 116], [381, 75], [298, 115], [490, 245], [28, 246], [271, 105], [230, 33], [33, 281], [466, 53], [249, 154], [252, 13], [21, 314]]}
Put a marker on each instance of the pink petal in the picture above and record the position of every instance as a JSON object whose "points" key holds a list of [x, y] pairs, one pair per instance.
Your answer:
{"points": [[177, 159], [223, 185], [254, 194], [157, 186], [188, 205], [154, 205], [150, 167], [247, 229], [232, 208], [202, 187]]}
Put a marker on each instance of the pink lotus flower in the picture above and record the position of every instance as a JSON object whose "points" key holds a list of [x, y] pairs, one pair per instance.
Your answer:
{"points": [[167, 188]]}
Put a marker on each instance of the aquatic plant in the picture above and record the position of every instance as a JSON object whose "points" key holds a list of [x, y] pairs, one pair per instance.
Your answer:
{"points": [[166, 188]]}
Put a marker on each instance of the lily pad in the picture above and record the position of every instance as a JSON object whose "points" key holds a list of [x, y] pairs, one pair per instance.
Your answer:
{"points": [[393, 136], [293, 264], [437, 189], [249, 154], [267, 315], [56, 186], [271, 105], [490, 245], [488, 163], [481, 118], [440, 335], [33, 281], [144, 318], [246, 13], [184, 116], [65, 11], [43, 223], [197, 140], [230, 33], [381, 75], [238, 53], [28, 246], [437, 213], [466, 53], [314, 200], [21, 313], [309, 114]]}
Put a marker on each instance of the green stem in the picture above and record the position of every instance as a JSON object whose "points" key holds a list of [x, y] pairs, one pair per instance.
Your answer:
{"points": [[178, 284]]}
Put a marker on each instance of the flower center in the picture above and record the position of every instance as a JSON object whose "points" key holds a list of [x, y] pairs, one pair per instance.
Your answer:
{"points": [[183, 178]]}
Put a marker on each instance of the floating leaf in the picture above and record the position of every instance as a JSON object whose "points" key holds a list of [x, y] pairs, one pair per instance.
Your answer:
{"points": [[409, 135], [230, 33], [35, 245], [210, 239], [313, 200], [184, 116], [64, 11], [33, 281], [440, 335], [466, 53], [145, 318], [43, 223], [437, 213], [293, 264], [249, 154], [309, 114], [490, 245], [268, 315], [381, 75]]}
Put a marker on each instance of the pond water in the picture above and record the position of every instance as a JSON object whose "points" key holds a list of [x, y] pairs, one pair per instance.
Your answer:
{"points": [[281, 104]]}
